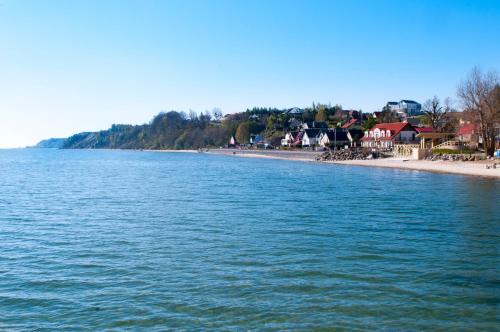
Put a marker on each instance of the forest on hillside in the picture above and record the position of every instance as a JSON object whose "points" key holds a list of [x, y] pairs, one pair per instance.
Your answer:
{"points": [[179, 130]]}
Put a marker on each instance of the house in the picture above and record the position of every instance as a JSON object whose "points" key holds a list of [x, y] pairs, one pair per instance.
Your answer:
{"points": [[385, 135], [311, 137], [232, 142], [469, 134], [335, 138], [289, 138], [409, 107], [404, 108], [354, 135], [392, 106], [255, 138], [298, 139], [295, 111]]}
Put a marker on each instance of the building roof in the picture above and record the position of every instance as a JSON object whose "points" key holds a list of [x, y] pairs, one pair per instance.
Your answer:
{"points": [[313, 132], [340, 134], [467, 129], [295, 110], [355, 133], [392, 103], [408, 101], [424, 129], [394, 129], [349, 123]]}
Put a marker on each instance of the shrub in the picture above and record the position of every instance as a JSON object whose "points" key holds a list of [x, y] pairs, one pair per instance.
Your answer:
{"points": [[450, 151]]}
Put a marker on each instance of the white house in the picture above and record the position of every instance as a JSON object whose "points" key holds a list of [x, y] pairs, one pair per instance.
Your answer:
{"points": [[255, 138], [410, 107], [290, 137], [385, 135], [311, 137], [338, 137]]}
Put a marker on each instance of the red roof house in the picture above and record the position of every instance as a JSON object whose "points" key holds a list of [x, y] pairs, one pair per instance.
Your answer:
{"points": [[468, 133], [385, 135]]}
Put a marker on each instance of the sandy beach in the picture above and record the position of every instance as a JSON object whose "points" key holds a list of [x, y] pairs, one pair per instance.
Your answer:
{"points": [[458, 167], [454, 167]]}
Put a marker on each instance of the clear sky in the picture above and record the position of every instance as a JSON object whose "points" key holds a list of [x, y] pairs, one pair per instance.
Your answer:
{"points": [[72, 66]]}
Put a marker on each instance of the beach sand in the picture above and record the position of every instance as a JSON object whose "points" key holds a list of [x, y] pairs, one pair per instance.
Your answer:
{"points": [[454, 167]]}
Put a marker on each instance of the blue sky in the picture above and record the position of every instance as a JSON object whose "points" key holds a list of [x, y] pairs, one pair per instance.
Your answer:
{"points": [[71, 66]]}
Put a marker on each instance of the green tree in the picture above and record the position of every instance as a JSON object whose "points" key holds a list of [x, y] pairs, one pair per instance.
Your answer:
{"points": [[369, 123], [243, 132]]}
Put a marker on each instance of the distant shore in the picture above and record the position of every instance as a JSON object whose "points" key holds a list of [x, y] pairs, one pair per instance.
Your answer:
{"points": [[453, 167]]}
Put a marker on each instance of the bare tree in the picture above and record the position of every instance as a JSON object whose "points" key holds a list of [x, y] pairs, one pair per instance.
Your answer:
{"points": [[193, 116], [435, 112], [479, 95], [217, 113]]}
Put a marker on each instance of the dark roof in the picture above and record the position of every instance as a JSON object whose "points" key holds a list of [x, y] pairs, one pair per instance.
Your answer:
{"points": [[356, 133], [295, 110], [313, 132], [409, 101], [392, 103], [316, 124], [341, 135]]}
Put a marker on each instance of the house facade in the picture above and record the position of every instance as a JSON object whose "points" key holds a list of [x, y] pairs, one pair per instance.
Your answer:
{"points": [[311, 137], [338, 137], [404, 107], [469, 134], [289, 138], [410, 107], [385, 135]]}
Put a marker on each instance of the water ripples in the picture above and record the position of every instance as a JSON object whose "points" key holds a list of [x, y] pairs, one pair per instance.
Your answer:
{"points": [[105, 240]]}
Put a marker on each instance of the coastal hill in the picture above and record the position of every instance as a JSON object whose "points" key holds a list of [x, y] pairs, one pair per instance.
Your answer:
{"points": [[51, 143], [171, 130], [178, 130]]}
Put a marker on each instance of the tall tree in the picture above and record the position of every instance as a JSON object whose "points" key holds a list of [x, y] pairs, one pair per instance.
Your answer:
{"points": [[479, 94], [243, 133], [321, 115], [435, 112]]}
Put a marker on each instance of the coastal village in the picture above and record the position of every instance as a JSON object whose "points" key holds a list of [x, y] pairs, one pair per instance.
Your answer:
{"points": [[466, 130], [402, 129]]}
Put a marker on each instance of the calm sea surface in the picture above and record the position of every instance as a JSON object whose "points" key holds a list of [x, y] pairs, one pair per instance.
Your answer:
{"points": [[112, 240]]}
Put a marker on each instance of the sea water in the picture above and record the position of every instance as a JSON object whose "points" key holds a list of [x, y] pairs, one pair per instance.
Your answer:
{"points": [[124, 240]]}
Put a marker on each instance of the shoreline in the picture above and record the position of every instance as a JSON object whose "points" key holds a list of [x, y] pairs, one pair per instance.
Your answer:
{"points": [[470, 168]]}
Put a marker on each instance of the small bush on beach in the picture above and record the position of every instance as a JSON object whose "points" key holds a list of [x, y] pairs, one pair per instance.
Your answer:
{"points": [[450, 151]]}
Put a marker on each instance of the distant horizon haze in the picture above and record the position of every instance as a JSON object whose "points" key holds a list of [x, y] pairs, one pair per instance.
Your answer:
{"points": [[69, 67]]}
